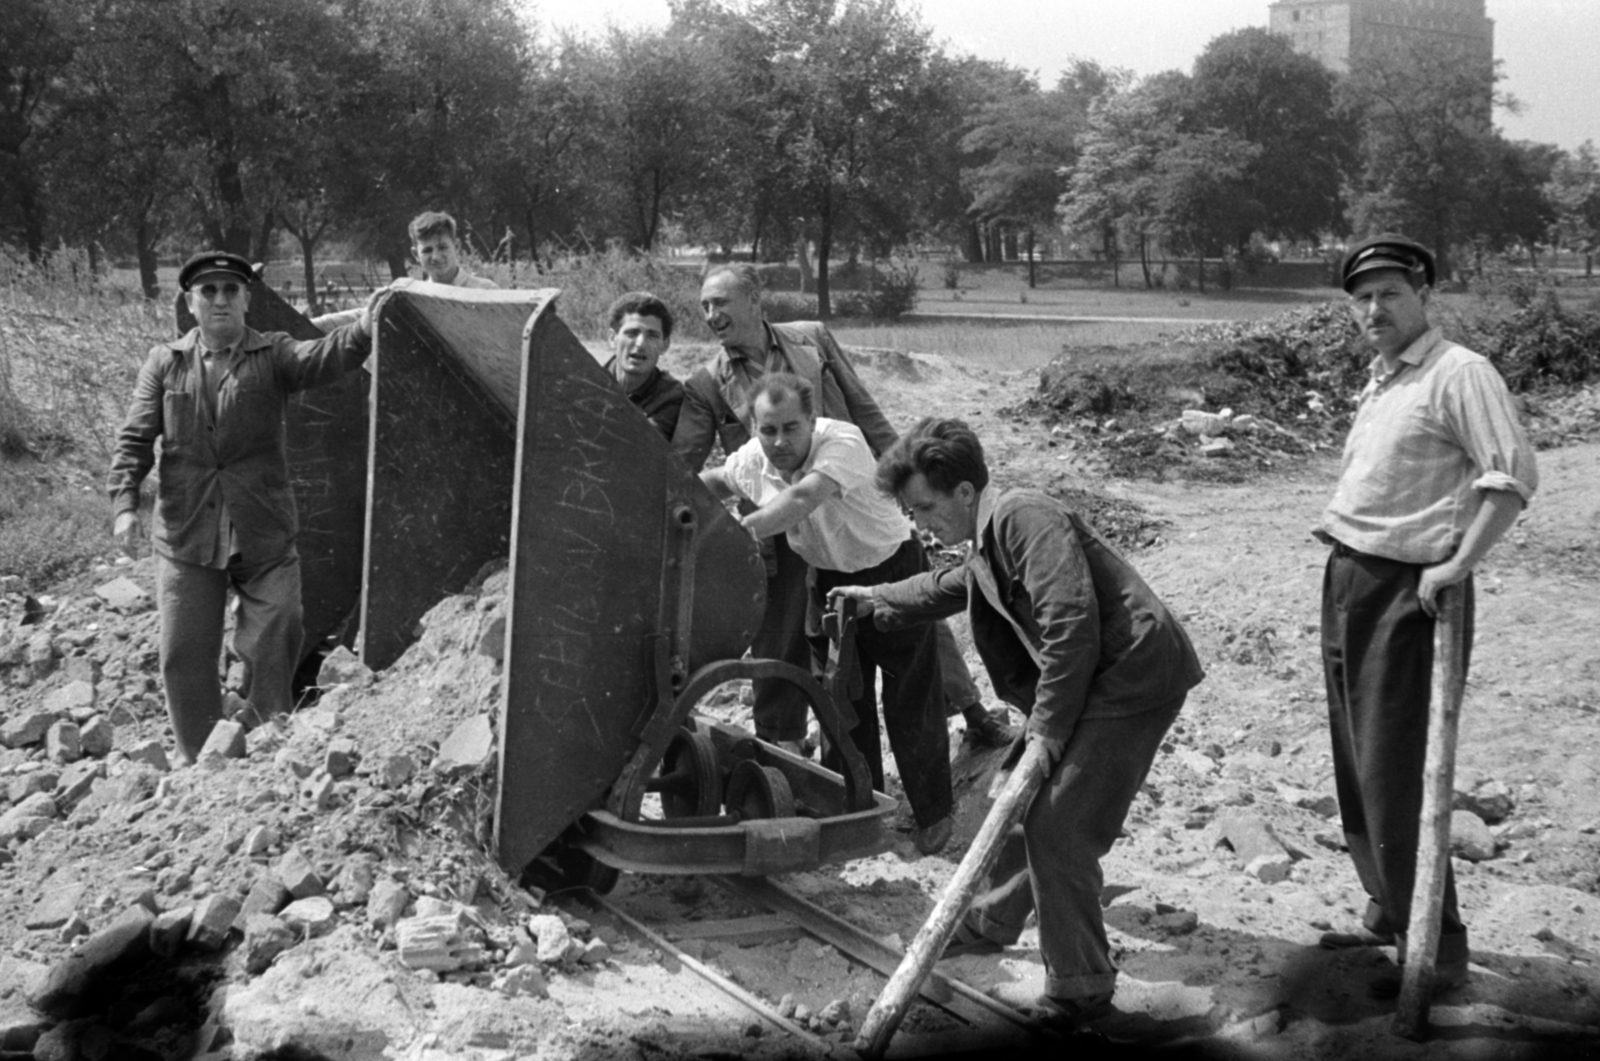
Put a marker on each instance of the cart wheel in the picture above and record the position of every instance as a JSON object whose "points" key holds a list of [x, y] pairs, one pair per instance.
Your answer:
{"points": [[579, 869], [756, 791], [689, 780]]}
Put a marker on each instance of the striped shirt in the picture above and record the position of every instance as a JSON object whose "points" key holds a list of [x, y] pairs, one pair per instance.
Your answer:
{"points": [[1428, 439]]}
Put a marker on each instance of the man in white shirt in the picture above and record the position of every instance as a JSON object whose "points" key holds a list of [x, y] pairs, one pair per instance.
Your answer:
{"points": [[812, 480]]}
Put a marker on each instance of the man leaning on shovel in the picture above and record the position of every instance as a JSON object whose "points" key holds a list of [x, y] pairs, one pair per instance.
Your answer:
{"points": [[1074, 638], [1436, 469]]}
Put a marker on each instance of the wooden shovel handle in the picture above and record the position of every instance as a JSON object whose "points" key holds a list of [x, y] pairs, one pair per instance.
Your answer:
{"points": [[890, 1008], [1433, 848]]}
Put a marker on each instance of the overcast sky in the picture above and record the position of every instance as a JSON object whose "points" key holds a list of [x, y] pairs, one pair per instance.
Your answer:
{"points": [[1548, 47]]}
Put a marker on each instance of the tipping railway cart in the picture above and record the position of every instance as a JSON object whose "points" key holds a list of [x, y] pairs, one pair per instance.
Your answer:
{"points": [[484, 429]]}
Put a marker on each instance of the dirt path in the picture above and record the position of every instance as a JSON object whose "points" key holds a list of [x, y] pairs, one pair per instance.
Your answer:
{"points": [[1210, 954]]}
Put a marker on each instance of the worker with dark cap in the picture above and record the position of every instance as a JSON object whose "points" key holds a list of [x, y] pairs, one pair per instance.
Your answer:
{"points": [[224, 513], [1436, 469]]}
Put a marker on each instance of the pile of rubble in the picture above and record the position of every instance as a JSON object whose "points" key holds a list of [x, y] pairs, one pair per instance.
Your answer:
{"points": [[351, 821]]}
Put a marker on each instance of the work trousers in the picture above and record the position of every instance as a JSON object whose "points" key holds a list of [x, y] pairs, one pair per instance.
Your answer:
{"points": [[913, 698], [1377, 654], [780, 708], [266, 637], [1051, 862]]}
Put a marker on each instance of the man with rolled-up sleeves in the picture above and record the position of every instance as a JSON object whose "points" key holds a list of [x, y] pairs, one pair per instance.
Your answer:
{"points": [[1436, 470]]}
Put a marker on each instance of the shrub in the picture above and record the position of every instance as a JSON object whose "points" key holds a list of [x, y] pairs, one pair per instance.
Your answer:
{"points": [[950, 273], [892, 294], [591, 280], [781, 306]]}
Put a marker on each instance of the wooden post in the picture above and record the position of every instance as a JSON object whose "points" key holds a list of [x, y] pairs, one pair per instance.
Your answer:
{"points": [[890, 1008], [1433, 848]]}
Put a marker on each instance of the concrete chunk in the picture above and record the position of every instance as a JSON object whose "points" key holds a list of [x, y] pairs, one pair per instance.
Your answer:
{"points": [[20, 788], [77, 781], [62, 742], [124, 595], [387, 903], [267, 896], [469, 748], [170, 929], [317, 791], [96, 737], [29, 728], [265, 937], [309, 917], [493, 641], [41, 654], [55, 907], [71, 697], [438, 943], [524, 980], [1470, 838], [396, 770], [225, 742], [298, 874], [89, 976], [1257, 846], [258, 842], [29, 818], [213, 919], [343, 667], [550, 932], [341, 757], [150, 752], [83, 669]]}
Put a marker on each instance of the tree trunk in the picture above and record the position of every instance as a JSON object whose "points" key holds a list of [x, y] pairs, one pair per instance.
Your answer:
{"points": [[396, 260], [1144, 260], [824, 246], [144, 244], [973, 238], [807, 280], [307, 258], [1588, 265], [263, 247], [1031, 275]]}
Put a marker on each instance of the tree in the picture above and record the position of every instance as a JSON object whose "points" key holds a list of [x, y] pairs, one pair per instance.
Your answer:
{"points": [[1113, 188], [1022, 146], [1513, 211], [1252, 84], [662, 101], [35, 49], [850, 106], [1574, 193], [1426, 143], [1202, 195]]}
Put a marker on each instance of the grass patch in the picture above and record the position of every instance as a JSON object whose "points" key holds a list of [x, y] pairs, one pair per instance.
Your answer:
{"points": [[51, 527], [1001, 344]]}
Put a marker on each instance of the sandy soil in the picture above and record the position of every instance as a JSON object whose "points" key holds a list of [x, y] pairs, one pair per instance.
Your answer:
{"points": [[1210, 955]]}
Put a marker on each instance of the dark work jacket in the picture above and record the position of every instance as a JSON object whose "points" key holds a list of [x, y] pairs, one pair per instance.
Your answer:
{"points": [[716, 392], [660, 399], [235, 464], [1065, 626]]}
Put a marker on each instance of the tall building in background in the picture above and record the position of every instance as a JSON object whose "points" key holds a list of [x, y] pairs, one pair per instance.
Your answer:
{"points": [[1342, 32]]}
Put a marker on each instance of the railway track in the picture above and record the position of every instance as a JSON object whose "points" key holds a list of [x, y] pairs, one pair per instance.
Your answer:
{"points": [[988, 1022]]}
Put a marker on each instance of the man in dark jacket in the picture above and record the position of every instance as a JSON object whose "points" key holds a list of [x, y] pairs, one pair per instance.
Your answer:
{"points": [[225, 514], [641, 331], [1071, 636]]}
